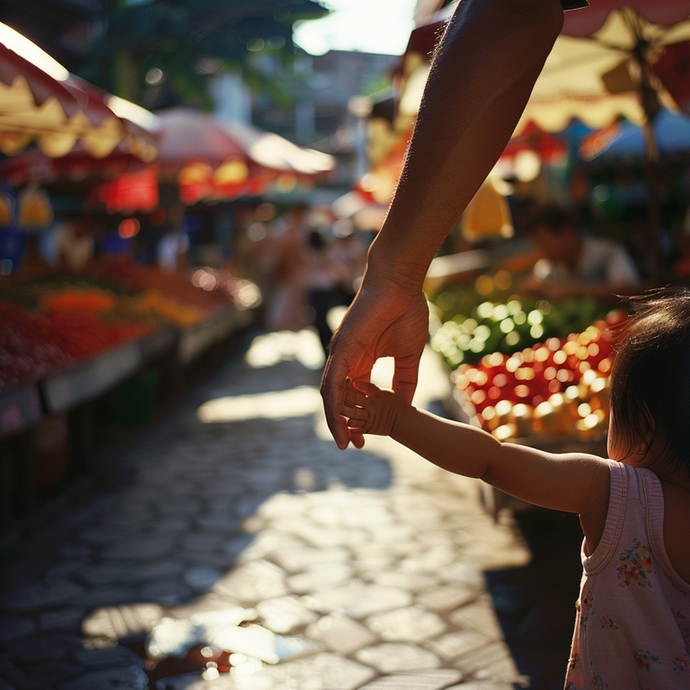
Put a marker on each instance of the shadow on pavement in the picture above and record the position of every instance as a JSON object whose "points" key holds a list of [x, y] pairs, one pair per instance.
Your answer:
{"points": [[80, 591], [535, 604]]}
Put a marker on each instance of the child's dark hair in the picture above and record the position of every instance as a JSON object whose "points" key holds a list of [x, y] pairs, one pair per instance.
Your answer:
{"points": [[650, 379]]}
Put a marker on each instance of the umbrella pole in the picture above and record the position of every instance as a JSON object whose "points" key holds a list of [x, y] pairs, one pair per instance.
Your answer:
{"points": [[651, 175], [649, 99]]}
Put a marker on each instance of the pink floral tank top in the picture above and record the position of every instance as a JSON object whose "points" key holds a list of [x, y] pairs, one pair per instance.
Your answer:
{"points": [[633, 616]]}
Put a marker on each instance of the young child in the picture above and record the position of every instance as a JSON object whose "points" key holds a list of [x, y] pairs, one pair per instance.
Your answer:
{"points": [[633, 616]]}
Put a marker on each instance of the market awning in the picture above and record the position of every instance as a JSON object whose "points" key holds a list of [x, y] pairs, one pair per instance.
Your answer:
{"points": [[598, 76], [213, 159], [188, 134], [41, 102]]}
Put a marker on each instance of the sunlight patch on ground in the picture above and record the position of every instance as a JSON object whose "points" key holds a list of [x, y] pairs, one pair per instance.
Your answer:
{"points": [[296, 402], [335, 317], [270, 349]]}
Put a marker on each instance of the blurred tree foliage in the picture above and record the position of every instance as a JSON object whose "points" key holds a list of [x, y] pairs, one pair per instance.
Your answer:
{"points": [[189, 40]]}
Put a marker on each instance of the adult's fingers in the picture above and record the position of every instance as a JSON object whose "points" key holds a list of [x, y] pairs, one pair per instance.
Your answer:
{"points": [[357, 439], [355, 424], [405, 377], [366, 387], [333, 394]]}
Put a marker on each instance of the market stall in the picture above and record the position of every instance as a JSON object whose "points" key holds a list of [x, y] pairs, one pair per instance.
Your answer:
{"points": [[526, 370], [85, 359], [89, 353]]}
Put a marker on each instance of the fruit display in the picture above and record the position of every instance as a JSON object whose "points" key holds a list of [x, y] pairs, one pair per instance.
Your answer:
{"points": [[207, 297], [68, 298], [53, 322], [154, 303], [183, 301], [450, 301], [35, 344], [555, 388], [510, 327]]}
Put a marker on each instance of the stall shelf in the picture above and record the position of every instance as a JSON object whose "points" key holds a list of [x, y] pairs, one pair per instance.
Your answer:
{"points": [[157, 344], [195, 341], [84, 382]]}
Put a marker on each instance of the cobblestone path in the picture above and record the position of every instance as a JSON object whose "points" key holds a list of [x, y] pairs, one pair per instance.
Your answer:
{"points": [[249, 553]]}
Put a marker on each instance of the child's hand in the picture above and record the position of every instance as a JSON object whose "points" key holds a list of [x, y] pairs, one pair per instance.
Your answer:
{"points": [[369, 409]]}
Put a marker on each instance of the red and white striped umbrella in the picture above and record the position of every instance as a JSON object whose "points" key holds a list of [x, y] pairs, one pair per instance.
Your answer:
{"points": [[41, 102]]}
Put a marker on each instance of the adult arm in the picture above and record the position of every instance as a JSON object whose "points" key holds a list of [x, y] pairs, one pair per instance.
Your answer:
{"points": [[480, 80]]}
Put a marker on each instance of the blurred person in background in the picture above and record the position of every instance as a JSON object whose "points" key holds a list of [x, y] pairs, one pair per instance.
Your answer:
{"points": [[323, 275], [74, 243], [575, 264], [348, 248], [334, 264], [33, 263], [284, 265], [172, 250]]}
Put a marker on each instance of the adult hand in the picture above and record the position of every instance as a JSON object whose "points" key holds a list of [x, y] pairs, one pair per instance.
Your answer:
{"points": [[384, 320], [464, 122]]}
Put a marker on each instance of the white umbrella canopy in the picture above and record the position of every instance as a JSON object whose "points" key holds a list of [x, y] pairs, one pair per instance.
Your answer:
{"points": [[189, 134], [600, 76], [597, 77]]}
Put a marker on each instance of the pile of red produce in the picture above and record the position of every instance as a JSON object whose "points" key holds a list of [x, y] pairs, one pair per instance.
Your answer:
{"points": [[33, 345], [558, 387]]}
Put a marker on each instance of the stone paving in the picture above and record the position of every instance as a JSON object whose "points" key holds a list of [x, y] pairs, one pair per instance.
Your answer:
{"points": [[249, 553]]}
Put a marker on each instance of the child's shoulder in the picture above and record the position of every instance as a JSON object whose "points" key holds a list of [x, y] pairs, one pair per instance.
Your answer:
{"points": [[593, 516]]}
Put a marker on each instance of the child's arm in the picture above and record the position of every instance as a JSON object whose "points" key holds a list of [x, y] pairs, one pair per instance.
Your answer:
{"points": [[572, 482]]}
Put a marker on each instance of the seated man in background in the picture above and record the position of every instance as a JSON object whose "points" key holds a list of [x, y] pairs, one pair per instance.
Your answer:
{"points": [[576, 265]]}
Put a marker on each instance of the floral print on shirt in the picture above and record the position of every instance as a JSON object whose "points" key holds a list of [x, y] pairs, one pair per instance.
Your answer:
{"points": [[644, 659], [607, 623], [635, 565], [585, 608], [680, 664]]}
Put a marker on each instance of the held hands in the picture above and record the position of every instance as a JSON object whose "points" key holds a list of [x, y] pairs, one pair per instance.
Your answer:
{"points": [[369, 409], [385, 320]]}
